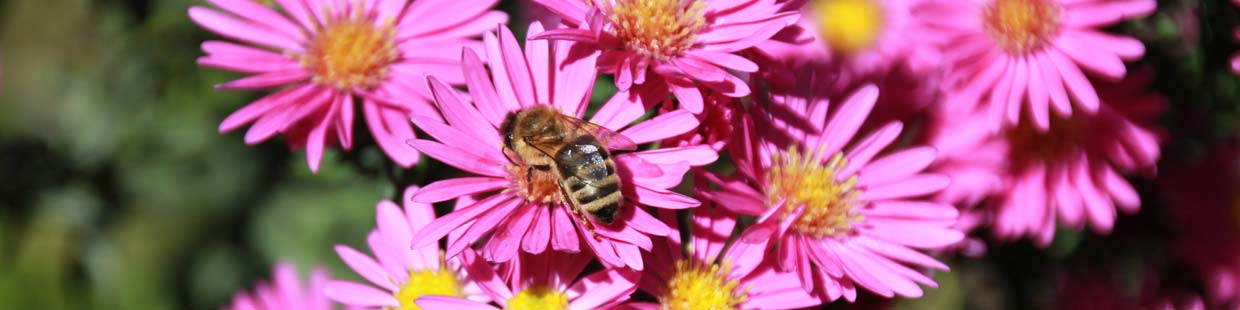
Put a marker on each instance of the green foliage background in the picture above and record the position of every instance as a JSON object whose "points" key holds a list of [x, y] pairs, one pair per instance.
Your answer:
{"points": [[118, 192]]}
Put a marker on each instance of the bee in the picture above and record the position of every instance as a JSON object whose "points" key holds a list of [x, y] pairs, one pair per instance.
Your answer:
{"points": [[576, 152]]}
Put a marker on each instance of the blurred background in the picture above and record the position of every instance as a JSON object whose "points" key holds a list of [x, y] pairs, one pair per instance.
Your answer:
{"points": [[119, 193]]}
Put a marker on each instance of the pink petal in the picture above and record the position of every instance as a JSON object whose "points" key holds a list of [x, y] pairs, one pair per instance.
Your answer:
{"points": [[661, 127], [539, 234], [848, 119], [481, 90], [1080, 87], [390, 129], [604, 287], [261, 14], [896, 166], [459, 158], [231, 27], [451, 188], [440, 227], [365, 266], [444, 302], [564, 233], [726, 60], [266, 80], [356, 294], [517, 69]]}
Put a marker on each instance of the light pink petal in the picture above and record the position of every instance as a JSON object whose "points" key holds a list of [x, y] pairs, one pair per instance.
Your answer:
{"points": [[316, 141], [365, 266], [918, 236], [848, 119], [451, 188], [266, 80], [440, 227], [1076, 82], [869, 146], [391, 129], [618, 112], [356, 294], [662, 198], [896, 166], [900, 253], [564, 233], [726, 60], [465, 160], [517, 69], [1091, 56], [445, 302], [908, 187], [689, 97], [901, 209], [575, 79], [393, 257], [240, 30], [258, 108], [481, 90], [570, 34], [459, 139], [604, 287], [661, 127], [258, 13], [539, 234]]}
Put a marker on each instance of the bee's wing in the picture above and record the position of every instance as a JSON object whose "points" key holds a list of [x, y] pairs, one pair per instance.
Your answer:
{"points": [[608, 138]]}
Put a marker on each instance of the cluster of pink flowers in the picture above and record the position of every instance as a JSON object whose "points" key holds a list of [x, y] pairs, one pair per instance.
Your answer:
{"points": [[1028, 122]]}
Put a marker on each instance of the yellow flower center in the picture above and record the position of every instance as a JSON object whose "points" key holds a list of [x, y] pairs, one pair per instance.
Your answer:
{"points": [[1021, 26], [351, 53], [538, 298], [427, 283], [658, 29], [698, 287], [804, 180], [849, 26]]}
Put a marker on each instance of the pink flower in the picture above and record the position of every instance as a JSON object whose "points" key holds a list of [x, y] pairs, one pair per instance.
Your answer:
{"points": [[837, 217], [285, 292], [323, 57], [400, 273], [712, 278], [662, 46], [520, 207], [1004, 53], [1073, 172], [547, 281]]}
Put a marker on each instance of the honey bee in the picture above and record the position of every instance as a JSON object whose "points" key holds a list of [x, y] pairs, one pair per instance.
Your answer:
{"points": [[576, 152]]}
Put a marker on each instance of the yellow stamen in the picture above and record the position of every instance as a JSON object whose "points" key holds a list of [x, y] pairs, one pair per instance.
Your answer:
{"points": [[428, 283], [538, 298], [659, 29], [1021, 26], [351, 53], [799, 180], [849, 26], [699, 287]]}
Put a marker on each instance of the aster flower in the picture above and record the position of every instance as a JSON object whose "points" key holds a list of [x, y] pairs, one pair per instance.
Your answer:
{"points": [[711, 277], [401, 274], [1074, 171], [549, 281], [1009, 56], [837, 217], [657, 47], [285, 291], [521, 207], [325, 57]]}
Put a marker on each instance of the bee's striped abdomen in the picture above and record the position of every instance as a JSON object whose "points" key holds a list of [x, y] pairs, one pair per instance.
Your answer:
{"points": [[589, 179]]}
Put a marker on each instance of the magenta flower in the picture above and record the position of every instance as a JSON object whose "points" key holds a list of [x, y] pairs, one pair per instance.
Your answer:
{"points": [[549, 281], [712, 278], [1074, 171], [324, 57], [671, 46], [1012, 55], [285, 291], [522, 214], [837, 217], [401, 274]]}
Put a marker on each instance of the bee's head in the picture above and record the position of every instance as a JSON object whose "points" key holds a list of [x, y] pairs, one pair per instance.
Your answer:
{"points": [[507, 127]]}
